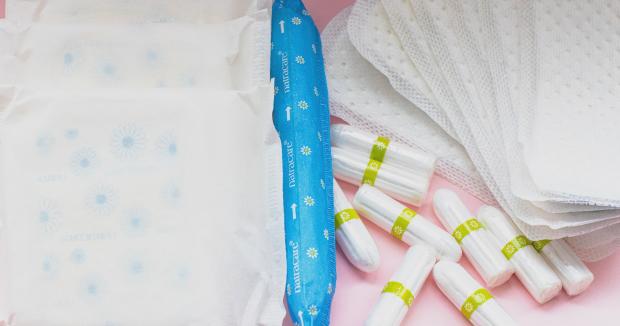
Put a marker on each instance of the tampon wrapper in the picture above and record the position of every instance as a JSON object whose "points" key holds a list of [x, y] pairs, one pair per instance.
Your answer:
{"points": [[352, 236], [405, 185], [381, 149], [531, 269], [474, 301], [479, 245], [402, 288], [404, 223], [575, 275]]}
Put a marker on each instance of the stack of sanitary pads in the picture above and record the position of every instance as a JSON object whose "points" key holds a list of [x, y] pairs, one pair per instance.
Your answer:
{"points": [[517, 99]]}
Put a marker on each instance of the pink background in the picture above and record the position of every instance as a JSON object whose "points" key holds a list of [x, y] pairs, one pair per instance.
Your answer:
{"points": [[356, 292]]}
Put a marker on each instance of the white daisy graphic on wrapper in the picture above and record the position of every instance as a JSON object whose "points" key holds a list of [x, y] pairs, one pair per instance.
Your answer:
{"points": [[48, 215], [326, 234], [300, 60], [296, 20], [314, 48], [322, 184], [380, 145], [458, 234], [510, 249], [313, 310], [101, 200], [318, 135], [305, 12], [275, 90], [312, 252], [468, 307], [398, 230], [128, 141], [306, 150], [84, 161], [345, 215], [303, 105], [479, 297], [316, 91], [309, 201]]}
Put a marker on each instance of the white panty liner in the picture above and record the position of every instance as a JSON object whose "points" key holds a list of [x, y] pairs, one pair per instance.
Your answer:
{"points": [[368, 27], [363, 97]]}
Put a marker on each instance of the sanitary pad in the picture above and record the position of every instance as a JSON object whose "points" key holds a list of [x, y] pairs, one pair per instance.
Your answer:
{"points": [[126, 214], [472, 68], [362, 96], [146, 55]]}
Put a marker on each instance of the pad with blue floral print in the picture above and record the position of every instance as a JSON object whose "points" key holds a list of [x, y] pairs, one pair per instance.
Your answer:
{"points": [[301, 116]]}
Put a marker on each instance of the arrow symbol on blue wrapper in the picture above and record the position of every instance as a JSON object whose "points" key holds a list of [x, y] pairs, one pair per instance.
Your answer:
{"points": [[288, 113], [294, 210], [281, 26]]}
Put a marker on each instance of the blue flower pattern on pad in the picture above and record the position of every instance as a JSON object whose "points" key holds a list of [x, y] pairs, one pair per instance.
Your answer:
{"points": [[128, 141], [101, 200], [48, 215], [84, 161]]}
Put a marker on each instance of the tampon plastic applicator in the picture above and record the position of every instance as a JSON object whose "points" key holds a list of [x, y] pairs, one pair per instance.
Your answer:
{"points": [[402, 288], [352, 236], [479, 245], [404, 223], [476, 303], [531, 269]]}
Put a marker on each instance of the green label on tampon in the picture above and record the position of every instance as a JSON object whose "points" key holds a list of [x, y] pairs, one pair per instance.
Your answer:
{"points": [[466, 228], [514, 245], [379, 148], [370, 174], [346, 215], [402, 222], [399, 290], [540, 244], [477, 299]]}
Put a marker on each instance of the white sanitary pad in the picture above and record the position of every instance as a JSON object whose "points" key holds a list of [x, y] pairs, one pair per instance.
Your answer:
{"points": [[439, 50], [126, 144], [362, 96], [135, 216], [146, 55]]}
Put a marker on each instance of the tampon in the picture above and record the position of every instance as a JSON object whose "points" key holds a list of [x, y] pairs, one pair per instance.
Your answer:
{"points": [[381, 148], [402, 184], [402, 288], [475, 302], [575, 275], [352, 236], [404, 223], [479, 245], [531, 269]]}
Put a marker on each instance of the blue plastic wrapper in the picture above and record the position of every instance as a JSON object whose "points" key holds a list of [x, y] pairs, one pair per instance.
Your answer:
{"points": [[301, 116]]}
